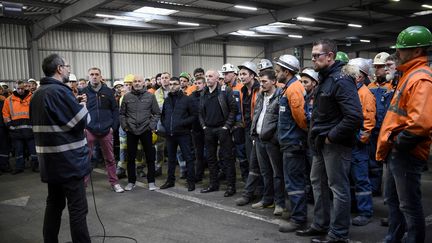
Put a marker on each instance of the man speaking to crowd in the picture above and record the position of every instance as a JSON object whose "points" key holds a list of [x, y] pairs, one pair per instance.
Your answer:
{"points": [[58, 125]]}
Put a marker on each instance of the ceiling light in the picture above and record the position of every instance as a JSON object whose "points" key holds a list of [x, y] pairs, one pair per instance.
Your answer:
{"points": [[395, 0], [109, 16], [305, 19], [245, 7], [280, 24], [188, 23], [427, 6], [365, 41], [246, 32], [426, 12], [296, 36], [151, 10], [355, 25]]}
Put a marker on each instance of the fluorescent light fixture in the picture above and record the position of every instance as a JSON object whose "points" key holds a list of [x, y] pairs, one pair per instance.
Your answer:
{"points": [[355, 25], [246, 32], [151, 10], [188, 23], [395, 0], [245, 7], [305, 19], [296, 36], [280, 24], [427, 6], [426, 12], [365, 41], [114, 17]]}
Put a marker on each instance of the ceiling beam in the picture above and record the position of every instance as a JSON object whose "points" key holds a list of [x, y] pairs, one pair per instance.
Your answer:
{"points": [[35, 3], [119, 22], [66, 14], [386, 26], [280, 15]]}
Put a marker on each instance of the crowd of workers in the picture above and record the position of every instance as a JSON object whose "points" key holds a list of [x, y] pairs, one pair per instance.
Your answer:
{"points": [[318, 134]]}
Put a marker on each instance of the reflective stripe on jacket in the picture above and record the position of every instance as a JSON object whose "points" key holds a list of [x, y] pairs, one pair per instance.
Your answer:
{"points": [[407, 125]]}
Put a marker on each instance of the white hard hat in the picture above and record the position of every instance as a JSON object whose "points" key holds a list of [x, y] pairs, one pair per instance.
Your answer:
{"points": [[227, 68], [310, 72], [72, 78], [250, 66], [380, 58], [4, 84], [264, 64], [31, 80], [361, 63], [289, 62], [221, 74], [118, 82]]}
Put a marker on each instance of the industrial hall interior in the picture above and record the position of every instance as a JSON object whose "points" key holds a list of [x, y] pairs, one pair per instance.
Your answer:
{"points": [[215, 121]]}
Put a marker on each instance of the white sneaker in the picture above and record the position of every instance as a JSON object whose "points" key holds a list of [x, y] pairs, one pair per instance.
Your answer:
{"points": [[278, 211], [129, 187], [117, 188], [153, 187]]}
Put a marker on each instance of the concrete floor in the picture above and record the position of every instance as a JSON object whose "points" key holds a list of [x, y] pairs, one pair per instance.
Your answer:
{"points": [[172, 215]]}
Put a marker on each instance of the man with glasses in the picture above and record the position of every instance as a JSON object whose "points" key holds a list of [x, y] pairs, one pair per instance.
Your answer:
{"points": [[177, 117], [58, 125], [336, 117]]}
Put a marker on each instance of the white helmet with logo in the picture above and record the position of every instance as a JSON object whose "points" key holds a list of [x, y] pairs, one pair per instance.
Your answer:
{"points": [[310, 72], [118, 82], [227, 68], [250, 66], [289, 62], [264, 64], [380, 58], [72, 78], [361, 63]]}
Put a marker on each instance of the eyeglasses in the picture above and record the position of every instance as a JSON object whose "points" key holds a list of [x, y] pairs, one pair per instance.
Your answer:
{"points": [[317, 55]]}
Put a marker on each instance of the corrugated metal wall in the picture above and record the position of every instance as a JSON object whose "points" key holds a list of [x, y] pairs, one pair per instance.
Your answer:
{"points": [[13, 52], [237, 54], [207, 55]]}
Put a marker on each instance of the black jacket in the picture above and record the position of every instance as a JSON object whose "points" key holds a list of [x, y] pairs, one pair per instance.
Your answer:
{"points": [[337, 112], [227, 103], [271, 117], [139, 112], [196, 96], [103, 110], [178, 114]]}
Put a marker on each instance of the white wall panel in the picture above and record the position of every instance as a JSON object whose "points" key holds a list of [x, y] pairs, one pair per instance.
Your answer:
{"points": [[82, 61], [141, 43], [56, 40], [245, 51], [13, 36], [145, 64], [239, 60], [90, 41], [13, 64], [189, 63], [191, 49], [211, 49], [211, 63]]}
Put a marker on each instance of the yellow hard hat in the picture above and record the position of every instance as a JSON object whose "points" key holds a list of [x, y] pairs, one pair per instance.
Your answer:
{"points": [[129, 78]]}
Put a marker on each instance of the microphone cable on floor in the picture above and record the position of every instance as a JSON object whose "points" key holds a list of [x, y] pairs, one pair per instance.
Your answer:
{"points": [[100, 221]]}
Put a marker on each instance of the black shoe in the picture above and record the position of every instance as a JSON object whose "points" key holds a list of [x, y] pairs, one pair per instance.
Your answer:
{"points": [[191, 186], [230, 191], [328, 239], [384, 222], [17, 172], [310, 232], [209, 189], [167, 184]]}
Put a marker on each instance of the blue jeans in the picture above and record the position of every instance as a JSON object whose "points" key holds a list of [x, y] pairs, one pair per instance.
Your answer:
{"points": [[375, 168], [403, 197], [359, 173], [270, 164], [293, 172], [19, 152], [330, 170], [185, 144]]}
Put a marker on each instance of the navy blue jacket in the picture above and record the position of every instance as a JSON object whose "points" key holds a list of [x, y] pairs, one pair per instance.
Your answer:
{"points": [[58, 125], [337, 112], [103, 110], [178, 114], [196, 96]]}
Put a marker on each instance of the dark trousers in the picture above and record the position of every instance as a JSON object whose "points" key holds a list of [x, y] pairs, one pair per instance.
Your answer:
{"points": [[254, 182], [74, 192], [4, 148], [184, 142], [132, 145], [198, 142], [222, 137], [19, 144]]}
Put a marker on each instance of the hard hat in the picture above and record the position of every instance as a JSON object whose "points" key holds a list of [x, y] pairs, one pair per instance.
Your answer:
{"points": [[72, 78], [118, 82], [129, 78], [310, 72], [342, 56], [221, 74], [380, 58], [4, 84], [414, 36], [228, 67], [289, 62], [361, 63], [250, 66], [264, 64], [31, 80], [185, 75]]}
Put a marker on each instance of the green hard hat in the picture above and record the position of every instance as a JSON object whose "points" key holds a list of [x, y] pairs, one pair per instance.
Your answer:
{"points": [[414, 36], [184, 75], [342, 56]]}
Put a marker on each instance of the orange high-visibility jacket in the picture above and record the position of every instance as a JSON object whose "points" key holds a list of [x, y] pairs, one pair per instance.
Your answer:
{"points": [[15, 109], [410, 111], [190, 89], [367, 100]]}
